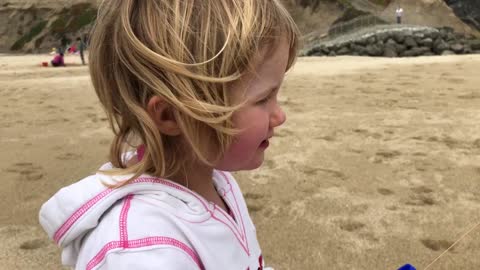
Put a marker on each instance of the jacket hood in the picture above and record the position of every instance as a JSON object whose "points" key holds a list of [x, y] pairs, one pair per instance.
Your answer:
{"points": [[77, 209]]}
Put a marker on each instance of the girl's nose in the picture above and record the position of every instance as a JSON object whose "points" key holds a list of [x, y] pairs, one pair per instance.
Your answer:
{"points": [[278, 117]]}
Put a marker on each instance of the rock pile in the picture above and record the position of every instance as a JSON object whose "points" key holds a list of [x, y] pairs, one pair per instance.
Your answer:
{"points": [[401, 43]]}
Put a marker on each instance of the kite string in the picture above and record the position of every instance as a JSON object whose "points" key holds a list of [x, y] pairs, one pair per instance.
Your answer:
{"points": [[456, 242]]}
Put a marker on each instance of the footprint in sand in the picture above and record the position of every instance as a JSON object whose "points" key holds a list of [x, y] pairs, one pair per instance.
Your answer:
{"points": [[271, 164], [329, 138], [104, 142], [455, 80], [33, 244], [350, 225], [436, 245], [422, 196], [26, 171], [367, 133], [255, 201], [85, 108], [384, 155], [392, 89], [315, 171], [422, 190], [93, 117], [385, 191], [419, 154], [52, 107], [422, 165], [69, 156], [407, 84], [471, 95]]}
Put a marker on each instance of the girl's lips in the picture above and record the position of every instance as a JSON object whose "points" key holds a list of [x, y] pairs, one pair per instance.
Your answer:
{"points": [[264, 144]]}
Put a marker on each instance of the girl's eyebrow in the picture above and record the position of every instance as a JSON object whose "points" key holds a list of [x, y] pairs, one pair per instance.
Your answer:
{"points": [[269, 91]]}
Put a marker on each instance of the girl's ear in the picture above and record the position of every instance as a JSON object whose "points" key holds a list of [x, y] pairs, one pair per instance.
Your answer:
{"points": [[162, 114]]}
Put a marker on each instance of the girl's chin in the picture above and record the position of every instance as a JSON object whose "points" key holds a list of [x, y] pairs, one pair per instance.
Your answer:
{"points": [[253, 163]]}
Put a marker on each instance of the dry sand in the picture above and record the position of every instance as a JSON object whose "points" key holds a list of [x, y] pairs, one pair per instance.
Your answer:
{"points": [[377, 165]]}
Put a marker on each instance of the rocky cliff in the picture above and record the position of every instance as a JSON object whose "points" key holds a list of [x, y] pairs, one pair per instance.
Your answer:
{"points": [[38, 25], [467, 10]]}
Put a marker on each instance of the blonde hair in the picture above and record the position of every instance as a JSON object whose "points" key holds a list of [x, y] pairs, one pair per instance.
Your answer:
{"points": [[186, 52]]}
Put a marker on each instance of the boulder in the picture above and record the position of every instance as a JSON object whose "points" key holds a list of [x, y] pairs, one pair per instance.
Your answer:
{"points": [[325, 50], [332, 53], [400, 48], [371, 40], [447, 52], [457, 48], [467, 49], [390, 51], [315, 51], [410, 42], [390, 42], [343, 51], [474, 44], [361, 42], [427, 42], [383, 36], [439, 46], [360, 50], [399, 37], [433, 35], [446, 30], [419, 35], [450, 37], [374, 50], [416, 51]]}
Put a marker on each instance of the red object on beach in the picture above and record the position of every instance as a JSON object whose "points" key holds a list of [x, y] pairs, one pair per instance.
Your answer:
{"points": [[44, 64]]}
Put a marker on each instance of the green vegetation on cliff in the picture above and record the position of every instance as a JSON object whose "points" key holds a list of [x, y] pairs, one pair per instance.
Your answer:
{"points": [[66, 21], [37, 29], [73, 19]]}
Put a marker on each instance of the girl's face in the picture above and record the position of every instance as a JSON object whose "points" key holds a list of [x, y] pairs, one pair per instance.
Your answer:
{"points": [[261, 114]]}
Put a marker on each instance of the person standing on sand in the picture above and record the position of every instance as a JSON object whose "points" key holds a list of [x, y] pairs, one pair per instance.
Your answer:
{"points": [[63, 44], [81, 48], [399, 14], [190, 89]]}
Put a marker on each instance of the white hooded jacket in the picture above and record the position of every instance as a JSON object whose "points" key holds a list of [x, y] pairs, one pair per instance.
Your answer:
{"points": [[150, 223]]}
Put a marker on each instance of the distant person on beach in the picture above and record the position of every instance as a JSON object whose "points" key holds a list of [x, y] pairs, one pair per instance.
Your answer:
{"points": [[86, 40], [72, 48], [81, 48], [63, 44], [58, 60], [399, 14], [191, 93]]}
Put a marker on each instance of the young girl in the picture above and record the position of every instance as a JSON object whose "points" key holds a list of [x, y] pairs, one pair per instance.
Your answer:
{"points": [[190, 88]]}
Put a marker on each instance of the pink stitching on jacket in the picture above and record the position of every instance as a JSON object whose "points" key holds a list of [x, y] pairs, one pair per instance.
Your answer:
{"points": [[238, 208], [144, 242], [84, 208], [77, 214], [239, 238], [123, 220]]}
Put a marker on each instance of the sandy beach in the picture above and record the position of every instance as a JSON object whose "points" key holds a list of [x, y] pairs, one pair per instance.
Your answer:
{"points": [[377, 165]]}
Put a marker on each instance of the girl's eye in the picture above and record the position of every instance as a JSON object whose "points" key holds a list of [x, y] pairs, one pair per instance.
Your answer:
{"points": [[264, 100]]}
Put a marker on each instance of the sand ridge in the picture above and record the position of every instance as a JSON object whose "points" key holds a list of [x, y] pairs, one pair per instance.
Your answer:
{"points": [[377, 165]]}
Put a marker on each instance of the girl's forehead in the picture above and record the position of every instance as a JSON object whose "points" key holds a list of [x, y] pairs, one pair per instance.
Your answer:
{"points": [[268, 72]]}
